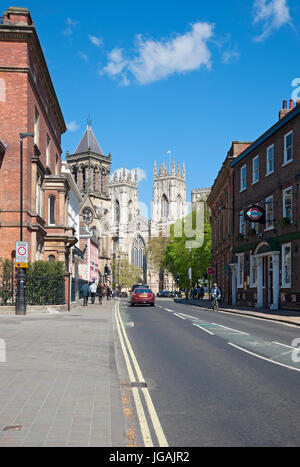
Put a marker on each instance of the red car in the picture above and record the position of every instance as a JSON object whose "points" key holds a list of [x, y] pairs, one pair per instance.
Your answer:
{"points": [[142, 297]]}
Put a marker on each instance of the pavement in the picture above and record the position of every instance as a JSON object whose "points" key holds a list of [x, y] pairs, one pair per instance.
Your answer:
{"points": [[60, 385], [284, 316]]}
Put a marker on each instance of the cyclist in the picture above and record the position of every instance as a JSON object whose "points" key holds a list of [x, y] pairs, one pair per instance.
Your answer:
{"points": [[215, 296]]}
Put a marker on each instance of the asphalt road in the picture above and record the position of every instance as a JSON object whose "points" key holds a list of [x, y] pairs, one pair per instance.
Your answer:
{"points": [[217, 379]]}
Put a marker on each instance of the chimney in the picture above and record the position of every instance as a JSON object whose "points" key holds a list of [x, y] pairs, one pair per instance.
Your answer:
{"points": [[285, 110], [17, 15]]}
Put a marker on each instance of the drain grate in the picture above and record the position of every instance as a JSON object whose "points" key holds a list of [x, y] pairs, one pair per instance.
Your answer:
{"points": [[13, 428], [133, 385]]}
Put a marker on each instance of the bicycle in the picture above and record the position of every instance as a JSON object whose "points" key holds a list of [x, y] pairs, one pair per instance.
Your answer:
{"points": [[215, 303]]}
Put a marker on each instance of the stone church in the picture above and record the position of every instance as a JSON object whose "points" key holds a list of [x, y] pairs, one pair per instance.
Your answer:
{"points": [[111, 216]]}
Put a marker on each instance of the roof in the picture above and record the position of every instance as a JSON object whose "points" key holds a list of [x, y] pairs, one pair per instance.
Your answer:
{"points": [[89, 143]]}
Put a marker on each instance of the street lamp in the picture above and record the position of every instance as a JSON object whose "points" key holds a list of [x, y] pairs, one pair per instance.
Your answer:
{"points": [[21, 276]]}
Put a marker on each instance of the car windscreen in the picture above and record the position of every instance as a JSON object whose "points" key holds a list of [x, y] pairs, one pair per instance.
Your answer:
{"points": [[142, 291]]}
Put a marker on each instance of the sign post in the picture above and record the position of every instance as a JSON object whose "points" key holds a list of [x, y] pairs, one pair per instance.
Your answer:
{"points": [[22, 258]]}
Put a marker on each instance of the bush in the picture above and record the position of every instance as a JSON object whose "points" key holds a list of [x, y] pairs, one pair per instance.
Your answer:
{"points": [[45, 283]]}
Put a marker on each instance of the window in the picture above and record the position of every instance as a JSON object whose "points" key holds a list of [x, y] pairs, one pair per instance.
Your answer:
{"points": [[165, 207], [242, 223], [56, 165], [36, 126], [288, 147], [51, 258], [48, 146], [117, 212], [288, 204], [270, 160], [243, 178], [87, 216], [269, 213], [253, 271], [52, 210], [255, 167], [2, 90], [240, 278], [286, 266]]}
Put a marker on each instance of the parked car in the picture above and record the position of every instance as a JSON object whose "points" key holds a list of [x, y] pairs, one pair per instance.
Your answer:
{"points": [[142, 296]]}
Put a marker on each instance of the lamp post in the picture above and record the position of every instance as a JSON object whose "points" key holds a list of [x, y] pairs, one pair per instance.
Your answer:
{"points": [[21, 276]]}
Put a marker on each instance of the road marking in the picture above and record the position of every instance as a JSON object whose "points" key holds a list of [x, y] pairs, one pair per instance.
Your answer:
{"points": [[152, 412], [178, 316], [203, 329], [231, 329], [284, 345], [170, 311], [139, 407], [263, 358]]}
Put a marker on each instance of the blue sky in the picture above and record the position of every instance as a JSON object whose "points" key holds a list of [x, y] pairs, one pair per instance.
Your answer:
{"points": [[187, 76]]}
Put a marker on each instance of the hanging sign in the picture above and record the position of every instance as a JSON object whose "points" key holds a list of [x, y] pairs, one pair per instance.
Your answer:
{"points": [[255, 214]]}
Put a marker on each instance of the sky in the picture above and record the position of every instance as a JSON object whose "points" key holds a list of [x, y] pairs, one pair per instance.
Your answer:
{"points": [[155, 76]]}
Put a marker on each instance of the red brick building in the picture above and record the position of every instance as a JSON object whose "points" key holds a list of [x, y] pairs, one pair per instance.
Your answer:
{"points": [[28, 104], [220, 202], [266, 266]]}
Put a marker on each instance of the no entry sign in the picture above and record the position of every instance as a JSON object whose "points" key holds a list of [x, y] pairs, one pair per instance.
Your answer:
{"points": [[22, 256]]}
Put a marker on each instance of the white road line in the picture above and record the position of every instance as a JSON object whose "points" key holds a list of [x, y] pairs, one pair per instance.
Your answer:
{"points": [[284, 345], [203, 329], [170, 311], [178, 316], [139, 406], [152, 412], [231, 329], [263, 358]]}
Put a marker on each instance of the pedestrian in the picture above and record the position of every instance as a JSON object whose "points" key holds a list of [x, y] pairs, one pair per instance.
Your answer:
{"points": [[93, 290], [85, 290], [199, 292], [100, 293], [202, 293], [108, 293], [186, 294]]}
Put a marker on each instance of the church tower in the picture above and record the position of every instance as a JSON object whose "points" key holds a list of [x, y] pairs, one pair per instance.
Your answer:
{"points": [[169, 197]]}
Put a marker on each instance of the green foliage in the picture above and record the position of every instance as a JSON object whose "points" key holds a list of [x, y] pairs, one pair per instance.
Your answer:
{"points": [[6, 281], [126, 274], [45, 283], [178, 257]]}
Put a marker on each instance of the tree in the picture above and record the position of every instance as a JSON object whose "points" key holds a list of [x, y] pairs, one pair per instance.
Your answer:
{"points": [[126, 274], [179, 258]]}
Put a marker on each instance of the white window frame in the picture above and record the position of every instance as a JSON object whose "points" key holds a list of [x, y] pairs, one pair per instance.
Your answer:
{"points": [[253, 260], [255, 170], [269, 172], [49, 210], [269, 222], [285, 284], [284, 194], [48, 150], [243, 179], [240, 272], [286, 161], [242, 223], [36, 126]]}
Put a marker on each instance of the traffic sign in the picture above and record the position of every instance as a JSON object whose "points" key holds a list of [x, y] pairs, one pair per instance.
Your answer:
{"points": [[22, 265], [22, 256], [211, 271], [255, 214]]}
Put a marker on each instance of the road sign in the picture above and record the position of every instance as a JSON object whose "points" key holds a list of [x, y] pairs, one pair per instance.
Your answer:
{"points": [[22, 256], [22, 265], [255, 214], [211, 271]]}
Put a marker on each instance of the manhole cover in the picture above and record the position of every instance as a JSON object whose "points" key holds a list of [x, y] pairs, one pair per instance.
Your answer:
{"points": [[133, 385]]}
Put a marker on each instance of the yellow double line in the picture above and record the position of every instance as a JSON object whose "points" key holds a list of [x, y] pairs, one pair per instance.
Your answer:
{"points": [[134, 369]]}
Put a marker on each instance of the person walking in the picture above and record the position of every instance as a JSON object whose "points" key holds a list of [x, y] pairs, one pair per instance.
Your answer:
{"points": [[93, 290], [100, 293], [108, 293], [85, 290]]}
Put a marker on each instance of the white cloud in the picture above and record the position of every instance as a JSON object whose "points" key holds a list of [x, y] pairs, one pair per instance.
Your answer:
{"points": [[71, 25], [230, 56], [83, 56], [73, 127], [95, 40], [273, 14], [156, 60]]}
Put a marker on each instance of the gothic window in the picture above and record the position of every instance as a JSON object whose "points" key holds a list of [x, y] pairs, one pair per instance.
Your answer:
{"points": [[130, 211], [83, 178], [138, 254], [164, 207], [103, 182], [117, 212], [87, 216], [75, 175]]}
